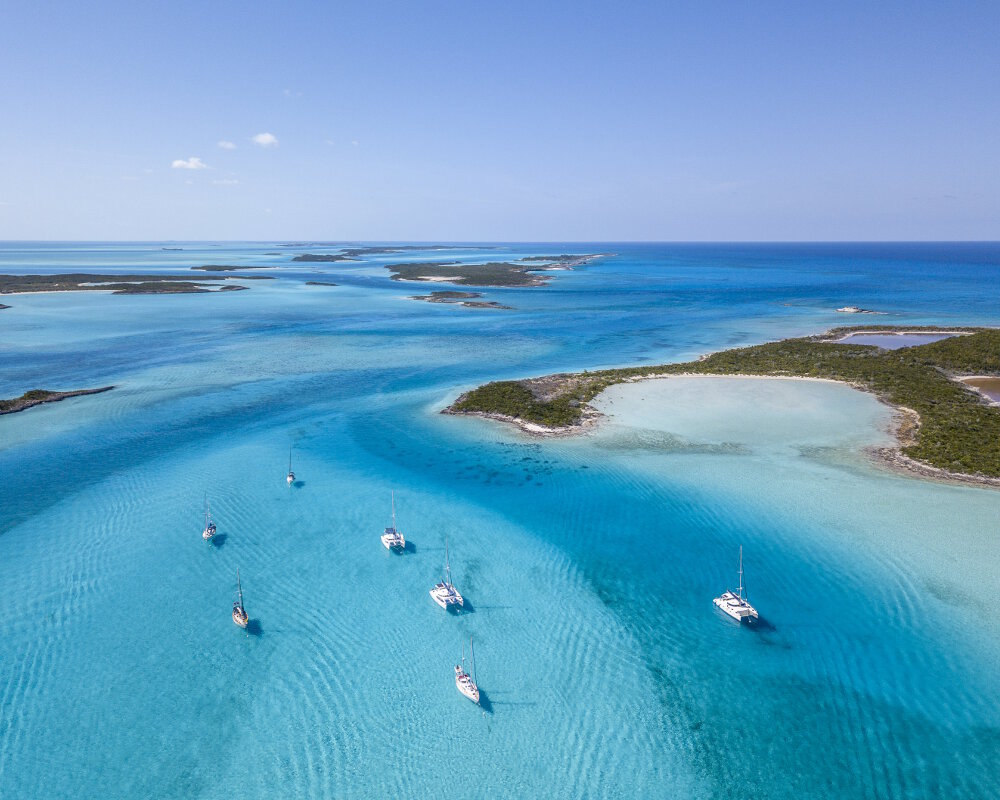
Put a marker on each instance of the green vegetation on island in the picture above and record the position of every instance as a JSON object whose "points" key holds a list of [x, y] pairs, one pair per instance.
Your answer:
{"points": [[465, 299], [958, 431], [38, 396], [118, 284], [354, 253], [496, 273]]}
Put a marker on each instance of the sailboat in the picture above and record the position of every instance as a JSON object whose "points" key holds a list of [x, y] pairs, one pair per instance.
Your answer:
{"points": [[444, 593], [392, 538], [209, 531], [735, 604], [290, 478], [239, 613], [464, 682]]}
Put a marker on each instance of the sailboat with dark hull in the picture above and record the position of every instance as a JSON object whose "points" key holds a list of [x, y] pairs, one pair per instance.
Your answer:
{"points": [[240, 616]]}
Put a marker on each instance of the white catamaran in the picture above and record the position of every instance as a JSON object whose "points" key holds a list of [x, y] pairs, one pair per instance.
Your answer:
{"points": [[290, 478], [444, 593], [239, 613], [392, 538], [209, 531], [464, 682], [735, 604]]}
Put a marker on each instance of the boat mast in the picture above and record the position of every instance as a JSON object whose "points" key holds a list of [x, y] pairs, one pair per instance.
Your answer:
{"points": [[239, 587], [447, 566], [473, 650], [289, 458], [394, 510], [741, 572]]}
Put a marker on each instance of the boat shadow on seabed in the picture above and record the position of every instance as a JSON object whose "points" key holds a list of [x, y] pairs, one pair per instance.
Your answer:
{"points": [[484, 702]]}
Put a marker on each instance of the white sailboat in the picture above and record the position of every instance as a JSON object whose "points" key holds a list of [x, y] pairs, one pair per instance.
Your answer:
{"points": [[240, 616], [444, 593], [464, 682], [392, 538], [290, 478], [209, 530], [735, 604]]}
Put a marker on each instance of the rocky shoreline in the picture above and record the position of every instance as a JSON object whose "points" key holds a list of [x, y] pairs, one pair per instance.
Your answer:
{"points": [[37, 397]]}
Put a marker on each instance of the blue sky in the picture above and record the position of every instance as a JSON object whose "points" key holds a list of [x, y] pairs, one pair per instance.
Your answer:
{"points": [[503, 121]]}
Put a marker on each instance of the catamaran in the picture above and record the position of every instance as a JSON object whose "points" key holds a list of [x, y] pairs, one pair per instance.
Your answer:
{"points": [[209, 531], [392, 538], [444, 593], [464, 682], [290, 478], [239, 613], [735, 604]]}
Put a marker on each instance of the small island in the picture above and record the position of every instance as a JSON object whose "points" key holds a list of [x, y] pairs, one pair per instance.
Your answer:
{"points": [[226, 268], [2, 306], [465, 299], [495, 273], [354, 253], [565, 261], [944, 428], [118, 284], [38, 396]]}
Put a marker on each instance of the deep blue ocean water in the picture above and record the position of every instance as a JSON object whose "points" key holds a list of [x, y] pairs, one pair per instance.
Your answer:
{"points": [[589, 563]]}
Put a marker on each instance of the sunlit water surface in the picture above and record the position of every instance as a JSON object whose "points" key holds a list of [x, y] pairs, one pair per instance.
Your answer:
{"points": [[589, 563]]}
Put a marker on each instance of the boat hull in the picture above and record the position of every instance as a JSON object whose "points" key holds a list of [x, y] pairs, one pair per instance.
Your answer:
{"points": [[447, 599], [740, 610], [393, 541], [466, 686]]}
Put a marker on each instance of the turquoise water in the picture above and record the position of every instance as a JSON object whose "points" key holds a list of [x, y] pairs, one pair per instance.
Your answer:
{"points": [[894, 341], [589, 563]]}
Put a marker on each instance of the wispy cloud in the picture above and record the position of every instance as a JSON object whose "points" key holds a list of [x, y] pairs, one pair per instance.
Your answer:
{"points": [[330, 142], [191, 163], [354, 142], [226, 182], [226, 144], [265, 140], [290, 93]]}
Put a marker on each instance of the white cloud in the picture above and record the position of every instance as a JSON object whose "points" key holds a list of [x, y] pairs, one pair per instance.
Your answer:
{"points": [[192, 163], [265, 140], [226, 182], [354, 142], [226, 145], [290, 93], [330, 142]]}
